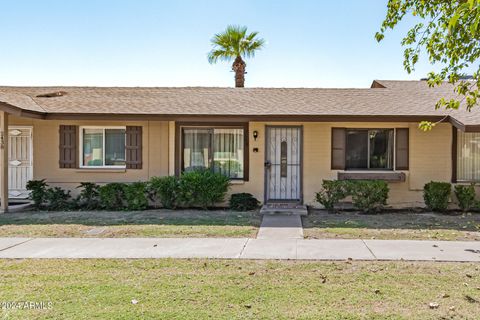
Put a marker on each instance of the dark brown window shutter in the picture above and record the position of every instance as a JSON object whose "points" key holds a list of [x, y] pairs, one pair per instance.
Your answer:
{"points": [[401, 152], [133, 147], [68, 146], [338, 148]]}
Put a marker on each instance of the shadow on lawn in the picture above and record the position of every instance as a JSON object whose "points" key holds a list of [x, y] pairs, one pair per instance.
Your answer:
{"points": [[392, 220], [147, 217]]}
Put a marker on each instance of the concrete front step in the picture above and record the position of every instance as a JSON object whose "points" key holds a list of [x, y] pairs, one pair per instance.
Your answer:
{"points": [[19, 206], [284, 209]]}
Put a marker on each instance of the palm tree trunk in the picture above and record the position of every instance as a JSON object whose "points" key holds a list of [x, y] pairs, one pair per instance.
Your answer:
{"points": [[238, 67]]}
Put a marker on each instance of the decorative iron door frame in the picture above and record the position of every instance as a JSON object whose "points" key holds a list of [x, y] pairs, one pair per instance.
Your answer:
{"points": [[20, 157], [268, 165]]}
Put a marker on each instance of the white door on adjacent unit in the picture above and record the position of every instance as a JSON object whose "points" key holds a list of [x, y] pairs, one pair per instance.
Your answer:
{"points": [[20, 162]]}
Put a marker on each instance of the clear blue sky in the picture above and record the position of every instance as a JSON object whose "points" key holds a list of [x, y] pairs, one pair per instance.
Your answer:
{"points": [[164, 43]]}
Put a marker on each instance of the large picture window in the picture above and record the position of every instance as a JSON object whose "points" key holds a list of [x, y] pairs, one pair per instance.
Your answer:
{"points": [[218, 149], [103, 147], [468, 156], [369, 149]]}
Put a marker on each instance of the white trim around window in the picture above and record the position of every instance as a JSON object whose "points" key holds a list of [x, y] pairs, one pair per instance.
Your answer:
{"points": [[81, 156]]}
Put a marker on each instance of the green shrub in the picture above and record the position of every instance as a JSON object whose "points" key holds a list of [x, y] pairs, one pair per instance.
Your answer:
{"points": [[135, 196], [165, 190], [38, 192], [332, 192], [58, 199], [465, 196], [89, 196], [202, 188], [112, 196], [368, 195], [243, 202], [436, 195]]}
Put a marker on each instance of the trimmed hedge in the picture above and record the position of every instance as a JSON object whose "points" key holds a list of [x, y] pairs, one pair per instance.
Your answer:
{"points": [[465, 196], [332, 192], [436, 195], [88, 198], [243, 202], [165, 190], [135, 196], [198, 188], [202, 188], [369, 196], [38, 192]]}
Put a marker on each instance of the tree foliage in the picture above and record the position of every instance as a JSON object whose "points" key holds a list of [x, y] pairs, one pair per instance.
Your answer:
{"points": [[449, 34], [234, 42]]}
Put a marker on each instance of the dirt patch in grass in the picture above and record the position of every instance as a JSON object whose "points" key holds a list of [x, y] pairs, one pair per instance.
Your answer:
{"points": [[233, 289], [150, 223], [399, 225]]}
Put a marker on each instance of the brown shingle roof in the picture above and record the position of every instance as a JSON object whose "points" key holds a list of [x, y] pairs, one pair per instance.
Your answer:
{"points": [[397, 99]]}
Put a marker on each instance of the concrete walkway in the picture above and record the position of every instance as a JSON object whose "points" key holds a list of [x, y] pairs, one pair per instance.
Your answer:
{"points": [[281, 227], [240, 248]]}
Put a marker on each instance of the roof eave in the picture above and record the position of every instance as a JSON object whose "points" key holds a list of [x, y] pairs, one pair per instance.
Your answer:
{"points": [[24, 113], [19, 112]]}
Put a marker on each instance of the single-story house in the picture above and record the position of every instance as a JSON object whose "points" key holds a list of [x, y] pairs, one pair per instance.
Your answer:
{"points": [[276, 143]]}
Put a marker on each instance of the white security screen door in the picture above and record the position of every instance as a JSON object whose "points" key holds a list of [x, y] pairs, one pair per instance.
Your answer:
{"points": [[20, 165], [283, 164]]}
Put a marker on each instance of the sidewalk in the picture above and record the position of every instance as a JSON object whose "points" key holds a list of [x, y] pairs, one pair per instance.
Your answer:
{"points": [[281, 227], [240, 248]]}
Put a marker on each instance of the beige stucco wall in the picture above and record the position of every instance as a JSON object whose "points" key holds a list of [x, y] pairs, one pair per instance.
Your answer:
{"points": [[430, 156], [46, 153], [430, 159]]}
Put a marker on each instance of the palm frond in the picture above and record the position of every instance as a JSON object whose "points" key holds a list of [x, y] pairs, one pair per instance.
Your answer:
{"points": [[219, 54], [234, 42]]}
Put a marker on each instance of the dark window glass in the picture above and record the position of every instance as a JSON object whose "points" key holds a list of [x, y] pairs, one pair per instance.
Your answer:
{"points": [[381, 149], [369, 149], [357, 149]]}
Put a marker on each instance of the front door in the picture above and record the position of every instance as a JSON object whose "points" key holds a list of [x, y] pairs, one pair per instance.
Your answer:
{"points": [[20, 165], [283, 164]]}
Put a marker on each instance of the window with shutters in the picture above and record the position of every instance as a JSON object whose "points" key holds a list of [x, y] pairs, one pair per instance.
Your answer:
{"points": [[370, 149], [102, 147]]}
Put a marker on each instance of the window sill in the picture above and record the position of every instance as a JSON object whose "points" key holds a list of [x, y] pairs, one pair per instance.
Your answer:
{"points": [[465, 181], [96, 170], [235, 182], [389, 176]]}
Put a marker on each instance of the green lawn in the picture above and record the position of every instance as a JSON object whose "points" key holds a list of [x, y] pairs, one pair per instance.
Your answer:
{"points": [[399, 225], [226, 289], [150, 223]]}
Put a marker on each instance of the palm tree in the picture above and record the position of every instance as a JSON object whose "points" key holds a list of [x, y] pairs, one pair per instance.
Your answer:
{"points": [[235, 44]]}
